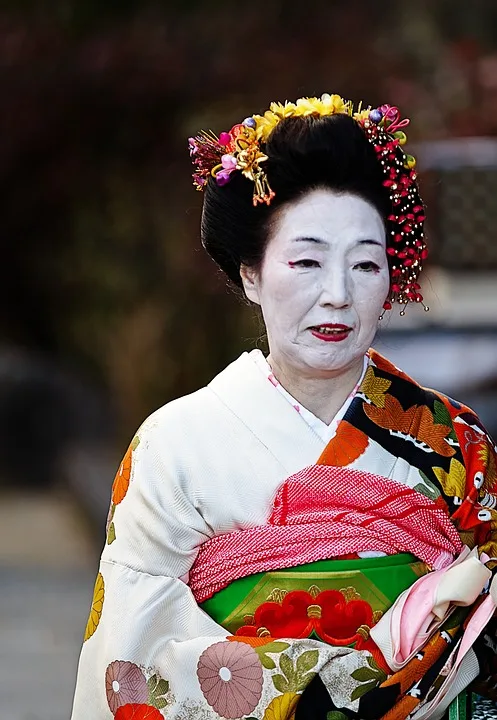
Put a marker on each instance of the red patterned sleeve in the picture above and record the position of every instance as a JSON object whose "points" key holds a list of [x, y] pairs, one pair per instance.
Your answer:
{"points": [[476, 520]]}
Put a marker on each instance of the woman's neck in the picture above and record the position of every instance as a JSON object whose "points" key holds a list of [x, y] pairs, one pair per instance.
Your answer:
{"points": [[322, 396]]}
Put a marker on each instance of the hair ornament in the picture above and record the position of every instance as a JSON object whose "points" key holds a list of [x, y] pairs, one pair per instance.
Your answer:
{"points": [[239, 149], [242, 149]]}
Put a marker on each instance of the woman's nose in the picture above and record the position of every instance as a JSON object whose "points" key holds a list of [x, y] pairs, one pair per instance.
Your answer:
{"points": [[335, 290]]}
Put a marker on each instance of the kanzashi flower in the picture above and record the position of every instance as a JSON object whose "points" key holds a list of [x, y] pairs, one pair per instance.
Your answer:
{"points": [[362, 116], [125, 683], [230, 675], [336, 104], [266, 123], [283, 110], [326, 105], [228, 163]]}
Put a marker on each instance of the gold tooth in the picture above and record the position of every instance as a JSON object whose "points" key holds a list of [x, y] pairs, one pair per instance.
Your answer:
{"points": [[327, 331]]}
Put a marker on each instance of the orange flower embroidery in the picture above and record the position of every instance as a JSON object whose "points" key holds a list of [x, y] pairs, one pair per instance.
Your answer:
{"points": [[123, 475], [254, 642], [348, 444], [121, 481]]}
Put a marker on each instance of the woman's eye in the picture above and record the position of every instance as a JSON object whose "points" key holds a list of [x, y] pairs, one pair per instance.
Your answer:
{"points": [[367, 266], [305, 263]]}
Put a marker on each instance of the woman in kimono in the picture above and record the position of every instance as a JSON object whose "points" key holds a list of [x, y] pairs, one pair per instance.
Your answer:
{"points": [[312, 534]]}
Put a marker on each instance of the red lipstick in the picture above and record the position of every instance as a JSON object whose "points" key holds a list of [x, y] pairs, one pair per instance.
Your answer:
{"points": [[331, 332]]}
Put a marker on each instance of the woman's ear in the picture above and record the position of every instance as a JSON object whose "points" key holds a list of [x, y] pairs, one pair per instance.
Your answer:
{"points": [[250, 280]]}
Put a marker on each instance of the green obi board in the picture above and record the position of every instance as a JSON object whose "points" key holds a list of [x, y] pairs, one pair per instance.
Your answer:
{"points": [[377, 582]]}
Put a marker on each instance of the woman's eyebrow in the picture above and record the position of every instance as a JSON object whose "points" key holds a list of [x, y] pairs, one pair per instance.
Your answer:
{"points": [[314, 240], [370, 241], [319, 241]]}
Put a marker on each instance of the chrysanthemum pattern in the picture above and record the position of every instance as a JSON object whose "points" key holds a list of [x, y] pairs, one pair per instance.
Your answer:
{"points": [[96, 607], [135, 711], [230, 676], [125, 683], [120, 488], [123, 475], [282, 707]]}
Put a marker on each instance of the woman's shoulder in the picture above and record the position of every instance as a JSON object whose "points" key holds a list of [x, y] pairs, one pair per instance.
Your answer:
{"points": [[377, 360], [185, 411], [204, 409], [180, 433]]}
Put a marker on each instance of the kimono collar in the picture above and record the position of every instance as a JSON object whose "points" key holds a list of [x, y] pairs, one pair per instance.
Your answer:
{"points": [[246, 392]]}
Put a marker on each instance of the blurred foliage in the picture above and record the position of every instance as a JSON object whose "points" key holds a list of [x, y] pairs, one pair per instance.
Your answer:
{"points": [[103, 269]]}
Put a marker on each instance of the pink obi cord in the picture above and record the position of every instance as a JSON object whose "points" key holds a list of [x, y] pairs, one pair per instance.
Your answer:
{"points": [[325, 512]]}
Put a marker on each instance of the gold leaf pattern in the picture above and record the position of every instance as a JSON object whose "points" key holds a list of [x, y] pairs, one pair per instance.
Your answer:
{"points": [[375, 388], [453, 482], [111, 534]]}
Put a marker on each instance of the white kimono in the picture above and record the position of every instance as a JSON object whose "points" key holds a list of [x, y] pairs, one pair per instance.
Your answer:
{"points": [[201, 466], [206, 464]]}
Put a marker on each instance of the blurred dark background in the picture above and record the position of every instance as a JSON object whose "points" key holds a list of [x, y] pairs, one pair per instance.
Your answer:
{"points": [[109, 307]]}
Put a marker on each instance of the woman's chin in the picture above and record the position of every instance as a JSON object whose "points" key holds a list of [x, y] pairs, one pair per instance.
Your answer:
{"points": [[326, 362]]}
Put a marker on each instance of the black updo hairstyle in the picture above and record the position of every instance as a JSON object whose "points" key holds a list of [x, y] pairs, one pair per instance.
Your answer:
{"points": [[304, 153]]}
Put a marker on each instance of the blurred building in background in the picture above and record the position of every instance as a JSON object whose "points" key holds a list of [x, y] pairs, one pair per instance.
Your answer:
{"points": [[108, 306]]}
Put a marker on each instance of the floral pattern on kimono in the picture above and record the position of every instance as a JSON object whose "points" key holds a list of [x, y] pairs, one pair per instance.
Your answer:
{"points": [[150, 652]]}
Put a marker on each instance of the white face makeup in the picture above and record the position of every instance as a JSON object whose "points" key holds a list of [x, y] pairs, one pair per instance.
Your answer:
{"points": [[322, 284]]}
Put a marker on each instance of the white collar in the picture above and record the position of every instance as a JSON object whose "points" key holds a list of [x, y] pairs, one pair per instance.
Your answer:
{"points": [[325, 432], [242, 388]]}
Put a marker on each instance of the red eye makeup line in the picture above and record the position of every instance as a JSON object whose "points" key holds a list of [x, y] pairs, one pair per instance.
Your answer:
{"points": [[298, 263]]}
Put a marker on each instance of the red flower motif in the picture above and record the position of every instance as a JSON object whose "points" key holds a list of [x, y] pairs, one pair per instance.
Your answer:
{"points": [[329, 615], [138, 712]]}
